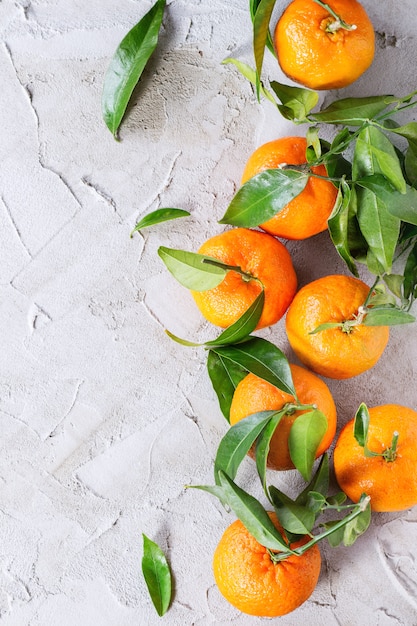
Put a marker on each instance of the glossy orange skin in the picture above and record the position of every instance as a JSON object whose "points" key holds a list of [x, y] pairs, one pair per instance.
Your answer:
{"points": [[332, 352], [263, 257], [317, 59], [254, 394], [392, 486], [307, 214], [251, 582]]}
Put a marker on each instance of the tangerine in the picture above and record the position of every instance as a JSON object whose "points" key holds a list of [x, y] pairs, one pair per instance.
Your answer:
{"points": [[306, 215], [253, 583], [343, 351], [390, 478], [324, 49], [254, 394], [267, 263]]}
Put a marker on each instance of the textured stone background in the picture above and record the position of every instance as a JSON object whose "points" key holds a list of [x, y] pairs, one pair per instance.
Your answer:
{"points": [[103, 418]]}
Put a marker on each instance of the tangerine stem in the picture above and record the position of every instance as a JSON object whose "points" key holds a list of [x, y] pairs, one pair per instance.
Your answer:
{"points": [[338, 23], [359, 508], [233, 268]]}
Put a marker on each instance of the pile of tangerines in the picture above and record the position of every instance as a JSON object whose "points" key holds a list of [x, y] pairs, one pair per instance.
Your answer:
{"points": [[268, 564]]}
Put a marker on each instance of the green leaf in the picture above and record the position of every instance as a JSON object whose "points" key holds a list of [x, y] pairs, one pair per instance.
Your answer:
{"points": [[237, 332], [297, 102], [127, 65], [158, 216], [379, 228], [409, 131], [353, 111], [261, 34], [263, 359], [305, 437], [191, 269], [263, 196], [242, 328], [338, 225], [361, 425], [341, 141], [410, 273], [253, 6], [225, 375], [250, 75], [394, 283], [252, 514], [294, 518], [157, 575], [411, 163], [375, 154], [263, 445], [319, 483], [237, 442], [386, 316], [313, 144], [316, 501], [337, 499], [403, 206], [357, 526]]}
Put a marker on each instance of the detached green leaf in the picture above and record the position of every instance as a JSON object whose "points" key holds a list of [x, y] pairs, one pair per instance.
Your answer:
{"points": [[237, 442], [296, 101], [225, 375], [263, 359], [353, 111], [191, 269], [159, 216], [263, 196], [157, 575], [127, 65], [252, 515], [305, 437]]}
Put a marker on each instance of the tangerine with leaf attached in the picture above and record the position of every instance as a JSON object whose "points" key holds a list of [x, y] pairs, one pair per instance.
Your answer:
{"points": [[254, 394], [306, 215], [267, 265], [251, 581], [324, 45], [386, 468], [344, 348]]}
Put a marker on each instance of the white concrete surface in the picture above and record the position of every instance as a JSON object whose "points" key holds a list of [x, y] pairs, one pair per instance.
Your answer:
{"points": [[103, 418]]}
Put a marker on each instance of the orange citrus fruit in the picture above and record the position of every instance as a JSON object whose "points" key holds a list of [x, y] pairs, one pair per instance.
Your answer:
{"points": [[306, 215], [261, 256], [341, 352], [248, 578], [390, 480], [318, 50], [254, 394]]}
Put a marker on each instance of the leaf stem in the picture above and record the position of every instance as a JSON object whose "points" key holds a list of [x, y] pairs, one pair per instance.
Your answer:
{"points": [[339, 23], [358, 509], [234, 268]]}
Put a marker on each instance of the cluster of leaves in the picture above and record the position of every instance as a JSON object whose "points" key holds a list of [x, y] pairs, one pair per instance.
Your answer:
{"points": [[374, 221], [231, 356]]}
